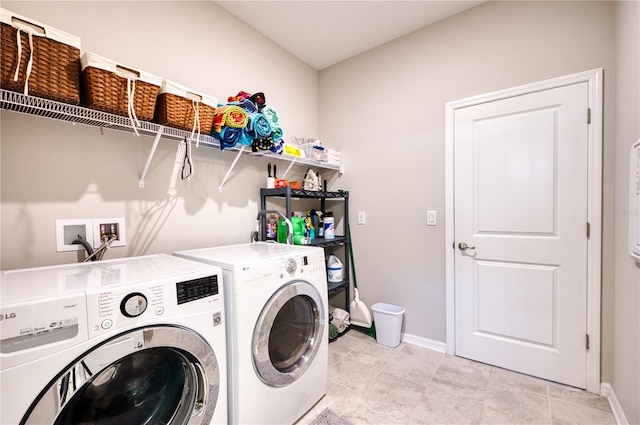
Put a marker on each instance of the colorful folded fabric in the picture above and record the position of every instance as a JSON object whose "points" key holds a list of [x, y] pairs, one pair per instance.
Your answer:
{"points": [[218, 119], [241, 95], [247, 105], [241, 121], [278, 146], [259, 100], [272, 115], [276, 133], [228, 137], [259, 126], [262, 144], [230, 116], [245, 138]]}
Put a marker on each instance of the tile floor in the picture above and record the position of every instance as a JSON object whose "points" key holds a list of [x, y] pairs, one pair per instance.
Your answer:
{"points": [[373, 384]]}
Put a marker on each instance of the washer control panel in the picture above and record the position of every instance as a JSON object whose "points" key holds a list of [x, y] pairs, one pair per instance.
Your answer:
{"points": [[111, 308], [291, 266], [304, 264], [195, 289], [133, 305]]}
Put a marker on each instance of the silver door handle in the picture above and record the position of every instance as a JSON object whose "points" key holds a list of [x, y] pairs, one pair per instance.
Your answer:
{"points": [[464, 246]]}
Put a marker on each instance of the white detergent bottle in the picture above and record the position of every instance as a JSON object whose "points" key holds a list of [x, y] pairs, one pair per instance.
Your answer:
{"points": [[334, 269]]}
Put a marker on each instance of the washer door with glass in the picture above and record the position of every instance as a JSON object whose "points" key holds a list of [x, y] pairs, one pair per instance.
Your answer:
{"points": [[152, 375], [288, 333]]}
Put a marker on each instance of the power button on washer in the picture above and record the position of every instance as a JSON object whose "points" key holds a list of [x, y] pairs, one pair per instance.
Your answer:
{"points": [[106, 324]]}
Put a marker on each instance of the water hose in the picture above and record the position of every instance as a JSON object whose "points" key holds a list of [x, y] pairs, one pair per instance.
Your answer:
{"points": [[86, 245]]}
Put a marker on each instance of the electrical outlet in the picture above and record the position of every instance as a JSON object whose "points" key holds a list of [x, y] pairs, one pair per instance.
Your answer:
{"points": [[68, 230], [107, 227]]}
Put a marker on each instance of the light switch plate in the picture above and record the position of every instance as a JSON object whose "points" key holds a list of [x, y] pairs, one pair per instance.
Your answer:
{"points": [[362, 217], [432, 218]]}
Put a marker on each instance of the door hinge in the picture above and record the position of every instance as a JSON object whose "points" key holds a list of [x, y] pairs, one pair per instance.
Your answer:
{"points": [[587, 341], [588, 115], [588, 230]]}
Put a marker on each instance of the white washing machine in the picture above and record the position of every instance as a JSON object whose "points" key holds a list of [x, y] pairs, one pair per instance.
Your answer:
{"points": [[276, 301], [131, 341]]}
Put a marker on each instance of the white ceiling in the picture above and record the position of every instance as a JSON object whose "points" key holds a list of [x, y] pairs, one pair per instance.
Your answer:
{"points": [[323, 33]]}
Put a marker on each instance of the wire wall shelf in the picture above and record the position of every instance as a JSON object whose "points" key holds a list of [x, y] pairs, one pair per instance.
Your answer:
{"points": [[31, 105], [45, 108]]}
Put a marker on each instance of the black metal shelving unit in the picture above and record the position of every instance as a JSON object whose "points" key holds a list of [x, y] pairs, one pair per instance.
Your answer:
{"points": [[290, 195]]}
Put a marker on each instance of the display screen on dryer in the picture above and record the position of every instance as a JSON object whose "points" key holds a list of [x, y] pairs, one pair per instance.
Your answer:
{"points": [[195, 289]]}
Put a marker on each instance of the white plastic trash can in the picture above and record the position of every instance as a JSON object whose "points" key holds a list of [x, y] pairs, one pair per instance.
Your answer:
{"points": [[388, 322]]}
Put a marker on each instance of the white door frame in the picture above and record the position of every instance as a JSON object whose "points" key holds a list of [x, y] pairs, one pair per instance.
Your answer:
{"points": [[594, 245]]}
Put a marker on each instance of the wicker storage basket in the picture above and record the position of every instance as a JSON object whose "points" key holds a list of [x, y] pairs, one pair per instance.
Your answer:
{"points": [[177, 107], [54, 57], [110, 87]]}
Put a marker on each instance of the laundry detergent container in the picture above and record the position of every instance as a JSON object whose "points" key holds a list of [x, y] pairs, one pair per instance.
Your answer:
{"points": [[388, 322]]}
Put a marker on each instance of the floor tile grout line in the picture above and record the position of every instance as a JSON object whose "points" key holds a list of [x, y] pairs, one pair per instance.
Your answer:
{"points": [[493, 378], [549, 403], [484, 399]]}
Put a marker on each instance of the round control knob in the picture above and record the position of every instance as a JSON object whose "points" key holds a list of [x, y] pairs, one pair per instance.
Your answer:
{"points": [[291, 266], [133, 305]]}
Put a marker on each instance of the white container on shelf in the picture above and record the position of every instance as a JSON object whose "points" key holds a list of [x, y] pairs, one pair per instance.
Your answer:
{"points": [[332, 156], [329, 227], [334, 269]]}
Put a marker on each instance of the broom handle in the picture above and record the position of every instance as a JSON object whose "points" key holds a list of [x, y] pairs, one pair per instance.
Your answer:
{"points": [[353, 264]]}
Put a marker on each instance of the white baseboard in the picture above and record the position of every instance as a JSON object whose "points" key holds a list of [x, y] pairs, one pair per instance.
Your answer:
{"points": [[606, 390], [424, 342]]}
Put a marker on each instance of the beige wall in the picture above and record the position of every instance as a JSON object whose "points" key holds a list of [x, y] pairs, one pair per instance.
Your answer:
{"points": [[625, 378], [385, 108], [385, 111], [53, 170]]}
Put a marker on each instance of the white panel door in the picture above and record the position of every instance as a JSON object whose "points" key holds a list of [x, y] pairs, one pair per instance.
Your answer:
{"points": [[520, 193]]}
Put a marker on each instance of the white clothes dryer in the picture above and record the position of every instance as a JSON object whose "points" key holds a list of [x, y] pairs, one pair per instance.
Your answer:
{"points": [[131, 341], [276, 300]]}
